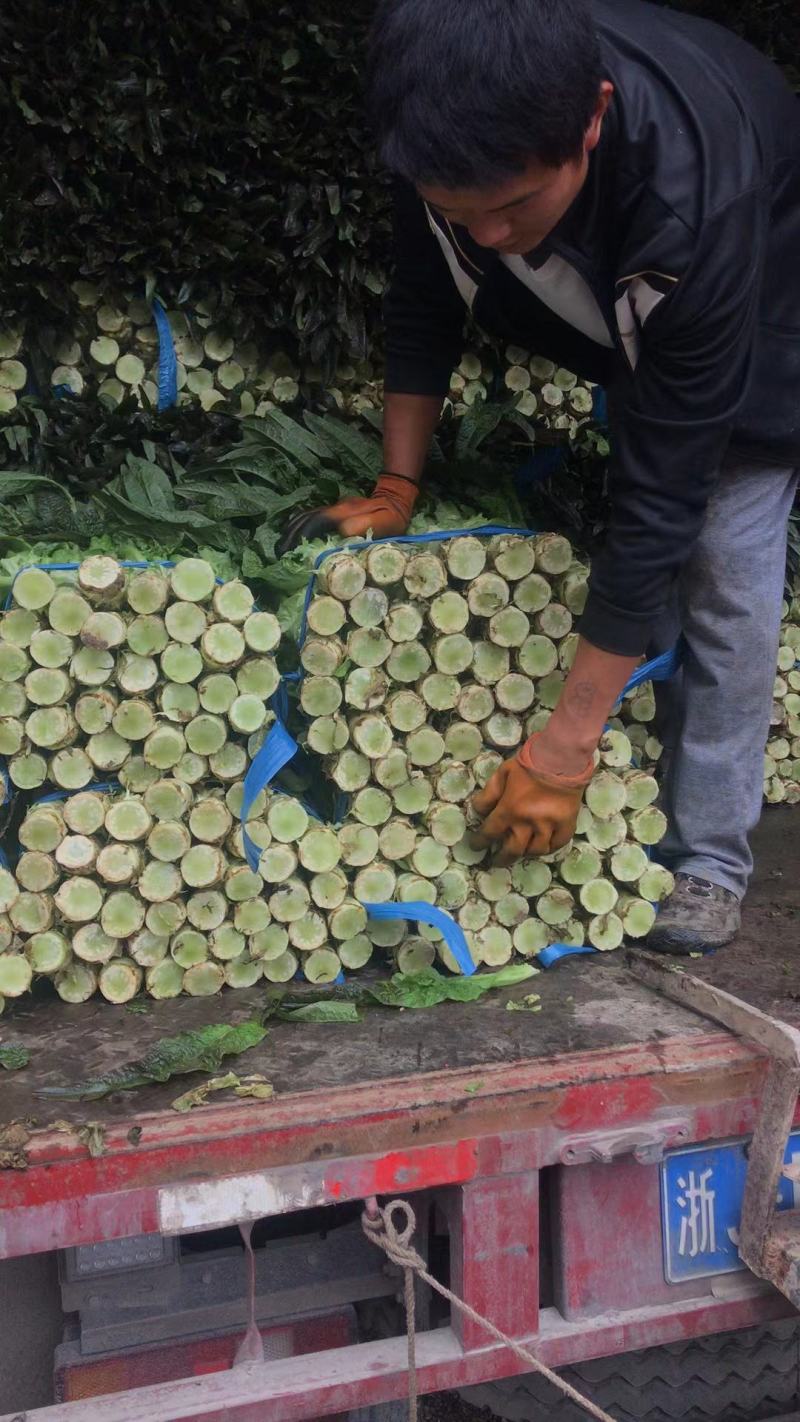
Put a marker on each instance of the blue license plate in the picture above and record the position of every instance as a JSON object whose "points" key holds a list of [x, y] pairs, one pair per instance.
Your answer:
{"points": [[701, 1205]]}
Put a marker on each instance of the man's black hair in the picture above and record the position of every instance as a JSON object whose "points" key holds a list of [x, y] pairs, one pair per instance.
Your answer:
{"points": [[464, 93]]}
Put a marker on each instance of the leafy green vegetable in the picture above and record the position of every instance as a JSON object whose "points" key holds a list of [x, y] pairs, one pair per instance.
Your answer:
{"points": [[531, 1003], [199, 1050], [320, 1012], [13, 1057], [256, 1087], [427, 988]]}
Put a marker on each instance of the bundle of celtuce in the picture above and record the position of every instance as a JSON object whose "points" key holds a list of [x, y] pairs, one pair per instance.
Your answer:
{"points": [[132, 673], [782, 758], [157, 678], [424, 668]]}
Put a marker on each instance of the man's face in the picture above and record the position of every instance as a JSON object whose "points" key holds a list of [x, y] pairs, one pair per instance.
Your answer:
{"points": [[517, 214]]}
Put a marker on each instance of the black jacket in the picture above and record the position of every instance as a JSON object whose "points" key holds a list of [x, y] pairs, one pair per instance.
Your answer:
{"points": [[673, 280]]}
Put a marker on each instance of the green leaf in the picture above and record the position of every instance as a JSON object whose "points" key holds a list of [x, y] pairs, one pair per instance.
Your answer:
{"points": [[427, 988], [320, 1012], [359, 454], [14, 1057], [19, 481], [200, 1050]]}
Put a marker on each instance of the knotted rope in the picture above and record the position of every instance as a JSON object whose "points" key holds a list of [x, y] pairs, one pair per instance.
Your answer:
{"points": [[379, 1226]]}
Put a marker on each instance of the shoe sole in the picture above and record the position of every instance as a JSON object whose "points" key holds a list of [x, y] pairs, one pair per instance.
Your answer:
{"points": [[680, 945]]}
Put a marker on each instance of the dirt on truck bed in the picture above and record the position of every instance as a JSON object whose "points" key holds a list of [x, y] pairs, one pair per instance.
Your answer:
{"points": [[587, 1004]]}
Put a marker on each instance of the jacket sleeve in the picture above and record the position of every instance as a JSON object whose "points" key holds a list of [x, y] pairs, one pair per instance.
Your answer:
{"points": [[672, 415], [423, 311]]}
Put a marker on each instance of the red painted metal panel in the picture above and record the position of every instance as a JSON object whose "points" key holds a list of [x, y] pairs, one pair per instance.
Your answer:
{"points": [[494, 1255], [607, 1250], [331, 1382]]}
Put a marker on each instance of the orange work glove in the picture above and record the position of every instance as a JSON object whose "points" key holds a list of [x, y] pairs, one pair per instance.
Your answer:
{"points": [[385, 513], [528, 811]]}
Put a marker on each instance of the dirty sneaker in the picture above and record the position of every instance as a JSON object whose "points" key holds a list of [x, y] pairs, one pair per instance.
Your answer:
{"points": [[697, 917]]}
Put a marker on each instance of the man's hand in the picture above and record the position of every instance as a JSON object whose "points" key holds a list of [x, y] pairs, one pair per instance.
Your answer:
{"points": [[386, 513], [527, 810]]}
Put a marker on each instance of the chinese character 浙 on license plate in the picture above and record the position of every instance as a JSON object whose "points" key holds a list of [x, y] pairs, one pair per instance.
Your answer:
{"points": [[701, 1204]]}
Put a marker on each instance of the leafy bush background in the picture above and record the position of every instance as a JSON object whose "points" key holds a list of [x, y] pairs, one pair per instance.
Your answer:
{"points": [[211, 148]]}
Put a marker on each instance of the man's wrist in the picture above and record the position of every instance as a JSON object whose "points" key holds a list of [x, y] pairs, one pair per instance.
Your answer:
{"points": [[564, 749]]}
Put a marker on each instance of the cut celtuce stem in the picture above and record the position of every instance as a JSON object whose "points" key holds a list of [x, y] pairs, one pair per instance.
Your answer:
{"points": [[385, 565], [598, 896], [503, 730], [440, 692], [605, 795], [371, 806], [204, 979], [369, 608], [404, 622], [531, 937], [553, 553], [147, 636], [466, 559], [119, 863], [453, 653], [580, 865], [606, 932], [512, 556], [648, 826], [119, 980], [641, 789], [320, 656], [406, 711], [77, 983], [531, 877], [207, 910], [358, 844], [509, 627], [164, 980], [494, 945], [424, 575], [78, 900], [475, 703], [128, 820], [76, 854], [605, 833], [92, 945], [372, 735], [145, 948], [34, 871], [281, 969], [628, 862], [326, 616], [637, 916], [365, 688], [485, 764], [233, 602], [656, 884], [165, 919], [342, 576], [203, 866], [408, 662], [555, 906], [33, 589], [462, 740], [487, 594], [322, 966], [277, 863], [533, 594], [328, 734]]}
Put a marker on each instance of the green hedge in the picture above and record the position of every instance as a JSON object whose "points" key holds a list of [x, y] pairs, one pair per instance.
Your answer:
{"points": [[209, 148], [200, 147]]}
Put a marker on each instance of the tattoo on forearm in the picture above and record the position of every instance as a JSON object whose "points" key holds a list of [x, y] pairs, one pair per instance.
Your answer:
{"points": [[581, 698]]}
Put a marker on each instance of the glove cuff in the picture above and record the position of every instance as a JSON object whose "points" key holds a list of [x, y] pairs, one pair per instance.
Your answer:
{"points": [[553, 782], [401, 490]]}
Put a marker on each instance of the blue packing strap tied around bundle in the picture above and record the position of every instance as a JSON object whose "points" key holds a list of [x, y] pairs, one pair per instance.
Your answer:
{"points": [[280, 747], [167, 360]]}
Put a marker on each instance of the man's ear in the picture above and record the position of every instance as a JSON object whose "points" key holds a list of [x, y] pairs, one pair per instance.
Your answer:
{"points": [[595, 127]]}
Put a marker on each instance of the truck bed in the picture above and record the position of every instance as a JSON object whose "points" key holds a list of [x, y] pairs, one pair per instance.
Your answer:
{"points": [[588, 1005]]}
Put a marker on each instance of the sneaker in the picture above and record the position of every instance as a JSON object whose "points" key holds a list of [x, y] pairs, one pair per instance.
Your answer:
{"points": [[697, 917]]}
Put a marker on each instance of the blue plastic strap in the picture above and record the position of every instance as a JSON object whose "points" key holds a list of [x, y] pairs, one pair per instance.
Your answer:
{"points": [[554, 952], [451, 932], [659, 669], [276, 752], [167, 361]]}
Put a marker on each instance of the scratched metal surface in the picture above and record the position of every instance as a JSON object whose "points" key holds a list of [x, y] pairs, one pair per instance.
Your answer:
{"points": [[587, 1004]]}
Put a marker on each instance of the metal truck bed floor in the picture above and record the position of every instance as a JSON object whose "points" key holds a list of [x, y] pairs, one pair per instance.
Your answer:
{"points": [[588, 1004]]}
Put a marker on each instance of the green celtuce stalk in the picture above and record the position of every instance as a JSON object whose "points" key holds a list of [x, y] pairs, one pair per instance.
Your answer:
{"points": [[358, 844], [33, 589], [35, 871], [148, 636], [326, 616], [371, 806], [598, 896], [48, 952], [119, 980], [369, 608], [281, 969], [204, 979], [349, 919], [616, 751], [555, 906], [404, 622], [146, 948], [465, 559], [532, 594], [76, 854], [92, 945], [495, 945], [77, 983], [581, 864], [322, 656], [475, 703], [386, 565], [628, 862], [530, 937], [424, 576], [408, 662], [512, 556], [637, 915], [605, 932], [320, 695], [290, 901], [119, 863], [605, 795], [648, 826], [79, 900], [206, 910], [425, 747], [656, 884], [487, 594], [341, 575]]}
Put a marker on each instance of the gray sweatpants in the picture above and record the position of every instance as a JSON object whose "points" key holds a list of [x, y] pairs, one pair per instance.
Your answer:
{"points": [[714, 715]]}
